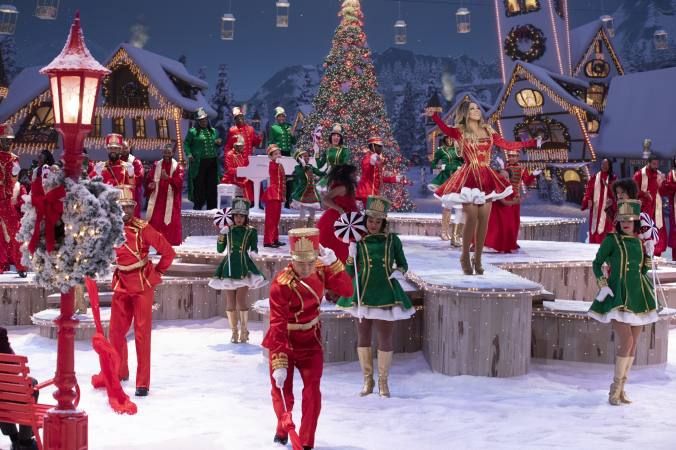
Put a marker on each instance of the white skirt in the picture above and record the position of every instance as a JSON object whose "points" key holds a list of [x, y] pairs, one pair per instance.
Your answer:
{"points": [[252, 281], [295, 204], [472, 195], [389, 314], [627, 317]]}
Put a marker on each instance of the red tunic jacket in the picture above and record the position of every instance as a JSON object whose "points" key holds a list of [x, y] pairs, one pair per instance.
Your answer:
{"points": [[277, 187], [115, 174], [296, 301], [372, 177], [251, 139], [134, 272], [233, 161]]}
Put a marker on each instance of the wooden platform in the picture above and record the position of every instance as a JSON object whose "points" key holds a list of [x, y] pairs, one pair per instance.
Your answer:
{"points": [[200, 223]]}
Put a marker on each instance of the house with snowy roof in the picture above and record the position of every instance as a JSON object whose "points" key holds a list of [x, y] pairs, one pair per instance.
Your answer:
{"points": [[148, 98]]}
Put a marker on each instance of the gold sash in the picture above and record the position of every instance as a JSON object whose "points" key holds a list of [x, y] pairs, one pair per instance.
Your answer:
{"points": [[169, 207], [658, 199]]}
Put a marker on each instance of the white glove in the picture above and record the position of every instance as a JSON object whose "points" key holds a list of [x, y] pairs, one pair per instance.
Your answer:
{"points": [[537, 172], [397, 275], [374, 159], [98, 168], [443, 167], [280, 377], [603, 293], [352, 250], [225, 229], [130, 170], [649, 247], [16, 168], [326, 256], [252, 254], [539, 141]]}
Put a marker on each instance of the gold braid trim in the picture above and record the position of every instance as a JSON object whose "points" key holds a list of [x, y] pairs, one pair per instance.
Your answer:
{"points": [[602, 282], [279, 361], [286, 277], [336, 267]]}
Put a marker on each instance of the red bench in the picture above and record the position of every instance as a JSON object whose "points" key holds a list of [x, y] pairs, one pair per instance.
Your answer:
{"points": [[17, 404]]}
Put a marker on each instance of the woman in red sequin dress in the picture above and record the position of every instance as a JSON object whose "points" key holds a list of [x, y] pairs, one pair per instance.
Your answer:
{"points": [[475, 184]]}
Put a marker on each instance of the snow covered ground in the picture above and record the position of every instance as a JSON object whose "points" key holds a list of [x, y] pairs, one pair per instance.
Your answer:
{"points": [[209, 394]]}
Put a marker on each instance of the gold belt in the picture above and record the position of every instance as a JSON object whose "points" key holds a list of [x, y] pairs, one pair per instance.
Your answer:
{"points": [[302, 326], [136, 265]]}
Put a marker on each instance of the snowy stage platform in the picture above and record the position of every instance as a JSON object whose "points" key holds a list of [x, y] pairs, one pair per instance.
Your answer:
{"points": [[199, 223]]}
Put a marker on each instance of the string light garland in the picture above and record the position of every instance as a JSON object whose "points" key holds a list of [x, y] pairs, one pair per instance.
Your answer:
{"points": [[601, 35], [525, 33]]}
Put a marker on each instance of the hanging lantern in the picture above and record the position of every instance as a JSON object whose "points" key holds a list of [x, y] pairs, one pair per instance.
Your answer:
{"points": [[646, 148], [283, 13], [607, 22], [661, 40], [400, 32], [8, 16], [462, 20], [228, 27], [47, 9]]}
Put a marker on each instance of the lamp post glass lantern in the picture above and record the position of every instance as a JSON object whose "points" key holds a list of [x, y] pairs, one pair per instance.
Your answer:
{"points": [[74, 78], [607, 22], [463, 20], [47, 9], [283, 13], [400, 32], [8, 17], [228, 27]]}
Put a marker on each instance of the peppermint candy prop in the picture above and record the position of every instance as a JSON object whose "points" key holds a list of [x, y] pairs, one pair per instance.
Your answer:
{"points": [[650, 235], [351, 227]]}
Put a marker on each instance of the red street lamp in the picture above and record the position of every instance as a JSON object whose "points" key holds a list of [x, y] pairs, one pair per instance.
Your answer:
{"points": [[74, 78]]}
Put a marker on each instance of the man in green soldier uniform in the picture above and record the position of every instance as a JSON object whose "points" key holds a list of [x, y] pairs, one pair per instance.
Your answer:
{"points": [[282, 135], [201, 149]]}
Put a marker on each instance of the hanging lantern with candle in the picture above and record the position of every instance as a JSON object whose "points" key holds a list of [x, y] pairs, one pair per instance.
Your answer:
{"points": [[47, 9], [607, 22], [400, 32], [8, 17], [646, 148], [463, 20], [661, 40], [228, 27], [283, 13]]}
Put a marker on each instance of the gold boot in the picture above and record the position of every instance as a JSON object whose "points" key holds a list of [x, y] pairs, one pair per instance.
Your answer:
{"points": [[465, 264], [80, 302], [366, 362], [456, 239], [616, 387], [627, 366], [476, 262], [445, 222], [232, 318], [244, 330], [384, 363]]}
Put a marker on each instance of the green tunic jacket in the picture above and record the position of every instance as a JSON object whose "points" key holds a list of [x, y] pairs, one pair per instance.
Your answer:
{"points": [[377, 257], [280, 134], [333, 156], [200, 144], [239, 240], [449, 157], [632, 289], [304, 184]]}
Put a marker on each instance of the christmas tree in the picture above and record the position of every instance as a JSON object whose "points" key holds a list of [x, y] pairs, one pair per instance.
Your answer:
{"points": [[348, 94], [221, 101]]}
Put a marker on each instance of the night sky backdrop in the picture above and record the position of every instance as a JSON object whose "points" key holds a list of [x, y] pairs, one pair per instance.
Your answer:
{"points": [[192, 28]]}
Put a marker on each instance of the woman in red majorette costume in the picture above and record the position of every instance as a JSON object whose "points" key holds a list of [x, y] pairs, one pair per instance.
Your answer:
{"points": [[474, 185]]}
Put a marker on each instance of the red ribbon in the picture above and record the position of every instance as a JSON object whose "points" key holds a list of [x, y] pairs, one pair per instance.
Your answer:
{"points": [[48, 208]]}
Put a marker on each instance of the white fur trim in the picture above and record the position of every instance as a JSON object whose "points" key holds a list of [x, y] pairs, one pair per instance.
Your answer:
{"points": [[627, 317], [389, 314], [295, 204], [251, 281], [473, 196]]}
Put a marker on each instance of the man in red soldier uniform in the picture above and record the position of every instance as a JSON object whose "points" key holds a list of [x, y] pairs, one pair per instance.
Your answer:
{"points": [[598, 197], [668, 189], [165, 185], [274, 196], [137, 178], [115, 172], [10, 252], [294, 337], [649, 180], [240, 128], [234, 159], [372, 178], [134, 282]]}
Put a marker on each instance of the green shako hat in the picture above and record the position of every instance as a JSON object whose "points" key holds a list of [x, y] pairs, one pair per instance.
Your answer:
{"points": [[240, 206], [628, 210], [377, 207]]}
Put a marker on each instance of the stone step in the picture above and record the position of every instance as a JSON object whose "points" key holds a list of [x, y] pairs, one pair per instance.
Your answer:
{"points": [[183, 269], [105, 299]]}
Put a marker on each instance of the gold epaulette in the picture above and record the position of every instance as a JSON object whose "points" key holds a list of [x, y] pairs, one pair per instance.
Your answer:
{"points": [[138, 223], [279, 361], [336, 267], [286, 277]]}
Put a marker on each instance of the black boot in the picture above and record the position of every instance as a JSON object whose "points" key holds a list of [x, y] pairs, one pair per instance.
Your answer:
{"points": [[307, 447], [280, 439], [141, 391], [29, 444], [23, 274]]}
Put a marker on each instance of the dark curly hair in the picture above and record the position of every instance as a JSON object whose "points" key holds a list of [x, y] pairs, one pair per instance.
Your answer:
{"points": [[5, 347], [343, 174], [628, 185]]}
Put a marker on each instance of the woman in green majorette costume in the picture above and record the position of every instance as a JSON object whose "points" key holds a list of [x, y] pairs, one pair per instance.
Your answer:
{"points": [[446, 156], [337, 154], [626, 296], [304, 196], [237, 273], [380, 264]]}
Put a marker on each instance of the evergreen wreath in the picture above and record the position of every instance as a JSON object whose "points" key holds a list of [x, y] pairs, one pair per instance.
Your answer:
{"points": [[525, 33], [90, 229]]}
